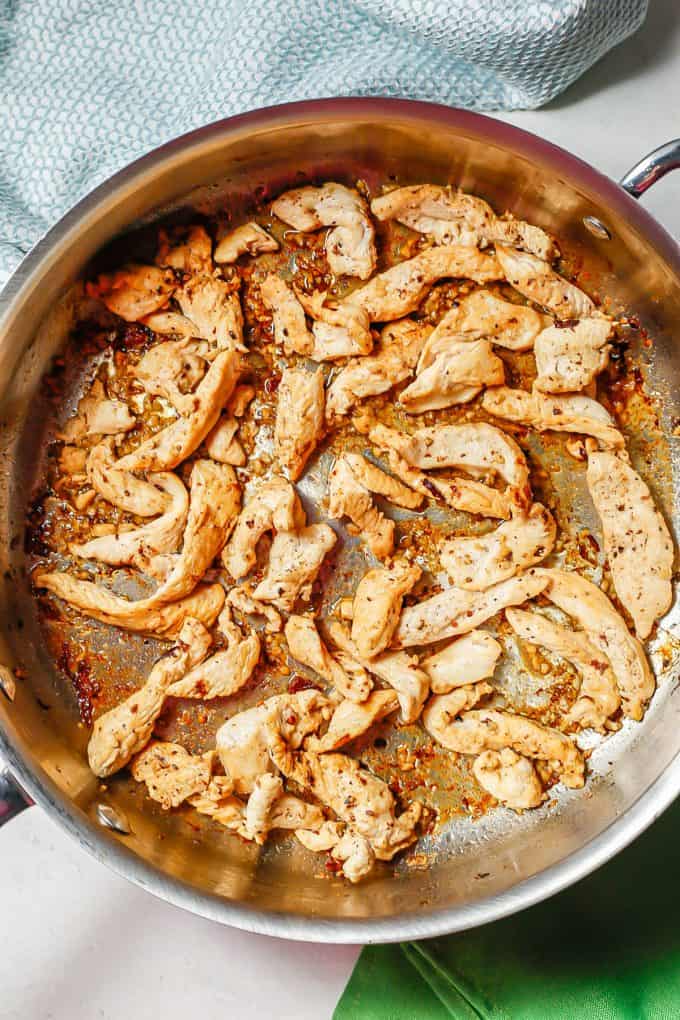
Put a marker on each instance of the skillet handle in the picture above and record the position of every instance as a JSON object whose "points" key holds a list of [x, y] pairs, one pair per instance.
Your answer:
{"points": [[652, 168], [12, 797]]}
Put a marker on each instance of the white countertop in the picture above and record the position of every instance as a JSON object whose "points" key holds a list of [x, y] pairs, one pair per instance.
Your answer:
{"points": [[79, 942]]}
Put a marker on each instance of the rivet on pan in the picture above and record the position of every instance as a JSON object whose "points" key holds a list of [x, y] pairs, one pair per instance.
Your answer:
{"points": [[8, 684], [112, 818], [597, 228]]}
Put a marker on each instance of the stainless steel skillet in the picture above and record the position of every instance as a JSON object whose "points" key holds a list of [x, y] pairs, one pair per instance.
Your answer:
{"points": [[478, 871]]}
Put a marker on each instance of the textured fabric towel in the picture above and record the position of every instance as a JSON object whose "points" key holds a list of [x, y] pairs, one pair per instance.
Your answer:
{"points": [[606, 949], [88, 85]]}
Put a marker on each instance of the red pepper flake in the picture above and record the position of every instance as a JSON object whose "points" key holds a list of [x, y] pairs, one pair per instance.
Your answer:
{"points": [[271, 384], [301, 683]]}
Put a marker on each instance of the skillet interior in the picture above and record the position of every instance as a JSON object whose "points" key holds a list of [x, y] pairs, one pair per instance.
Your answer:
{"points": [[474, 861]]}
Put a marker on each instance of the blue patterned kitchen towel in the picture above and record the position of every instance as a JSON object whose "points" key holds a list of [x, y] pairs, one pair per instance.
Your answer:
{"points": [[88, 85]]}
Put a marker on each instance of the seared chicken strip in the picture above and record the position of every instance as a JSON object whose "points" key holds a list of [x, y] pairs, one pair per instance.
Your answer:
{"points": [[171, 774], [299, 418], [456, 611], [338, 332], [476, 447], [191, 251], [510, 778], [288, 315], [598, 698], [174, 443], [124, 730], [572, 413], [275, 506], [442, 709], [224, 673], [398, 669], [467, 660], [636, 539], [534, 278], [134, 291], [483, 314], [453, 372], [97, 415], [606, 629], [122, 488], [377, 605], [368, 376], [400, 289], [221, 443], [243, 602], [477, 563], [139, 547], [170, 324], [173, 370], [349, 497], [242, 740], [248, 239], [295, 559], [346, 846], [215, 310], [214, 502], [354, 794], [267, 789], [452, 216], [305, 645], [487, 729], [351, 720], [568, 358], [350, 246], [457, 492], [378, 481]]}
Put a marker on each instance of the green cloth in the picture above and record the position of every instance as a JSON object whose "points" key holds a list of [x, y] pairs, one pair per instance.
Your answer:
{"points": [[606, 949]]}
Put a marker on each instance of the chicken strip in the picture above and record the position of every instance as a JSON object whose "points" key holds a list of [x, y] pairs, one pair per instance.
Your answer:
{"points": [[398, 669], [572, 413], [355, 795], [475, 447], [483, 314], [487, 729], [534, 279], [214, 309], [510, 778], [347, 848], [606, 629], [170, 324], [122, 488], [134, 291], [452, 216], [598, 697], [173, 370], [187, 250], [348, 497], [299, 418], [214, 502], [350, 245], [171, 774], [568, 358], [124, 730], [295, 559], [305, 645], [177, 441], [339, 332], [442, 709], [457, 492], [275, 506], [351, 720], [242, 740], [248, 239], [241, 599], [377, 605], [368, 376], [467, 660], [636, 539], [288, 315], [267, 789], [224, 673], [139, 547], [478, 562], [458, 372], [221, 443], [400, 289], [97, 415], [456, 611], [378, 481]]}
